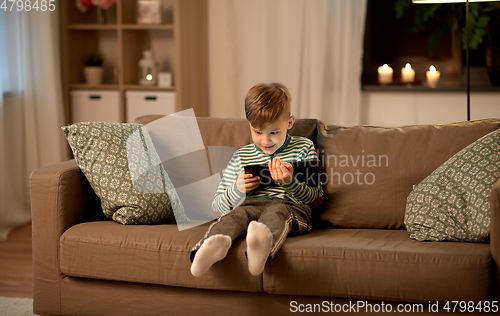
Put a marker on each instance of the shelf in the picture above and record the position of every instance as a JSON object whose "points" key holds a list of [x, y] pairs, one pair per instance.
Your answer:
{"points": [[178, 43], [97, 27], [479, 82], [426, 88], [116, 86], [93, 27], [446, 85], [147, 27], [92, 86], [144, 87]]}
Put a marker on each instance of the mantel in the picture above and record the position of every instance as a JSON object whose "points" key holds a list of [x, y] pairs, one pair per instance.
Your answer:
{"points": [[425, 88]]}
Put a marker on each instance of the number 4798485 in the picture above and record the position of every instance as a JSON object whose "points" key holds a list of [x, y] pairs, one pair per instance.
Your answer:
{"points": [[463, 306], [28, 5]]}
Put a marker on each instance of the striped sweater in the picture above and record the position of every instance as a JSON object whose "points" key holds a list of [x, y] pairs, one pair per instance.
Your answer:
{"points": [[294, 149]]}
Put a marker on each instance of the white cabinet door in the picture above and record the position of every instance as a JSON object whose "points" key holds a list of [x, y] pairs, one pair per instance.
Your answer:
{"points": [[140, 103], [484, 105], [390, 108], [441, 108], [407, 108], [95, 106]]}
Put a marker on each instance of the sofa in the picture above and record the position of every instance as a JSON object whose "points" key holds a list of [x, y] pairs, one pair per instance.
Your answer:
{"points": [[358, 257]]}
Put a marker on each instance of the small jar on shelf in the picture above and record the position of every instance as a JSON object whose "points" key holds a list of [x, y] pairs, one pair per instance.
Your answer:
{"points": [[149, 12]]}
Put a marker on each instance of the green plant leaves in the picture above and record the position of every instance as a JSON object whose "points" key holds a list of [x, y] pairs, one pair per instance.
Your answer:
{"points": [[439, 18], [478, 23], [93, 59], [400, 7]]}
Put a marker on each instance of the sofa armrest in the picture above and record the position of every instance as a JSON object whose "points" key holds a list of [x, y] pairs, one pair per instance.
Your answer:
{"points": [[60, 198], [495, 236]]}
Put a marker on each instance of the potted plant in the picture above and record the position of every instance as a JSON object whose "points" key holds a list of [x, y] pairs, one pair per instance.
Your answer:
{"points": [[483, 27], [93, 68]]}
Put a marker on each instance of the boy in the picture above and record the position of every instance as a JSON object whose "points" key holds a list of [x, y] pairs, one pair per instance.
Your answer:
{"points": [[267, 214]]}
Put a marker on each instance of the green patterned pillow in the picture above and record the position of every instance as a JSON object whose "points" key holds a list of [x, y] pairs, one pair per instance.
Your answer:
{"points": [[125, 171], [452, 203]]}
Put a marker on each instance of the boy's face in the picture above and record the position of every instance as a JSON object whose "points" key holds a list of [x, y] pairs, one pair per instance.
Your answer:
{"points": [[272, 136]]}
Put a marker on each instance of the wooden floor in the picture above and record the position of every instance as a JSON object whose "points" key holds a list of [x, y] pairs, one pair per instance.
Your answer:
{"points": [[16, 274]]}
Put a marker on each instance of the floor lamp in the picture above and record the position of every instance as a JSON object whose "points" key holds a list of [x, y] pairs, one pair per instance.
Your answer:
{"points": [[467, 36]]}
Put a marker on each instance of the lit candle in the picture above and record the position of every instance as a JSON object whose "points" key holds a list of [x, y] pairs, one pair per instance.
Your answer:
{"points": [[432, 76], [407, 74], [385, 74]]}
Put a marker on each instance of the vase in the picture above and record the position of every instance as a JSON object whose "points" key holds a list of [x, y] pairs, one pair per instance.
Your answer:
{"points": [[100, 15], [93, 75], [493, 64]]}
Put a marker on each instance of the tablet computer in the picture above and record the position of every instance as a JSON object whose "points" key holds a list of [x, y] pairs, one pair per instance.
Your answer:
{"points": [[304, 171]]}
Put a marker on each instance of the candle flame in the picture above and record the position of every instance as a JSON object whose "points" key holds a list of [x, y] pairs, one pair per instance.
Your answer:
{"points": [[385, 68], [149, 77], [408, 67], [432, 69]]}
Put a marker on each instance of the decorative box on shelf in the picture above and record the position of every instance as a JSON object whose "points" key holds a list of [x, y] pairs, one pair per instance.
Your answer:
{"points": [[95, 106], [140, 103], [149, 12]]}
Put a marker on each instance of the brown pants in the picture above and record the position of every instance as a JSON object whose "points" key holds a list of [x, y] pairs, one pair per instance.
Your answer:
{"points": [[283, 218]]}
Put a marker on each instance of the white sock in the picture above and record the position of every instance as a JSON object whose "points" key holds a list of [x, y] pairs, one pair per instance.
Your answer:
{"points": [[259, 242], [213, 249]]}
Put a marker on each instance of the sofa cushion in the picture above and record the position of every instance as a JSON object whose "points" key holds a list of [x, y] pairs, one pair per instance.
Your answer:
{"points": [[371, 170], [123, 167], [379, 264], [156, 254], [452, 203]]}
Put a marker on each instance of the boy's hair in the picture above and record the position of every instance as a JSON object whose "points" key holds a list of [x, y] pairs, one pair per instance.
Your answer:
{"points": [[265, 103]]}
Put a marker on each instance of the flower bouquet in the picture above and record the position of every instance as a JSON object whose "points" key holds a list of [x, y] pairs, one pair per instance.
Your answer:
{"points": [[85, 5]]}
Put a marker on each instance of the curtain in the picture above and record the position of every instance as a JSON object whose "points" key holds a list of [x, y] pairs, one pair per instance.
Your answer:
{"points": [[314, 47], [31, 111]]}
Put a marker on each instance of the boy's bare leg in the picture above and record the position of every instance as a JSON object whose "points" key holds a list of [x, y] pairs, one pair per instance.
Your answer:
{"points": [[213, 249], [259, 242]]}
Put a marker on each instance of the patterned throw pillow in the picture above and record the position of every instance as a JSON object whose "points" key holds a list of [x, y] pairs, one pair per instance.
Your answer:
{"points": [[125, 171], [452, 203]]}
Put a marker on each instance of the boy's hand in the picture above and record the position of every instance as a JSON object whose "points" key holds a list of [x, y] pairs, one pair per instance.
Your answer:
{"points": [[281, 171], [247, 182]]}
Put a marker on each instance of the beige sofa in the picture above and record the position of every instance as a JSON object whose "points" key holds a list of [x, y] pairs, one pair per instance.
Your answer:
{"points": [[358, 253]]}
